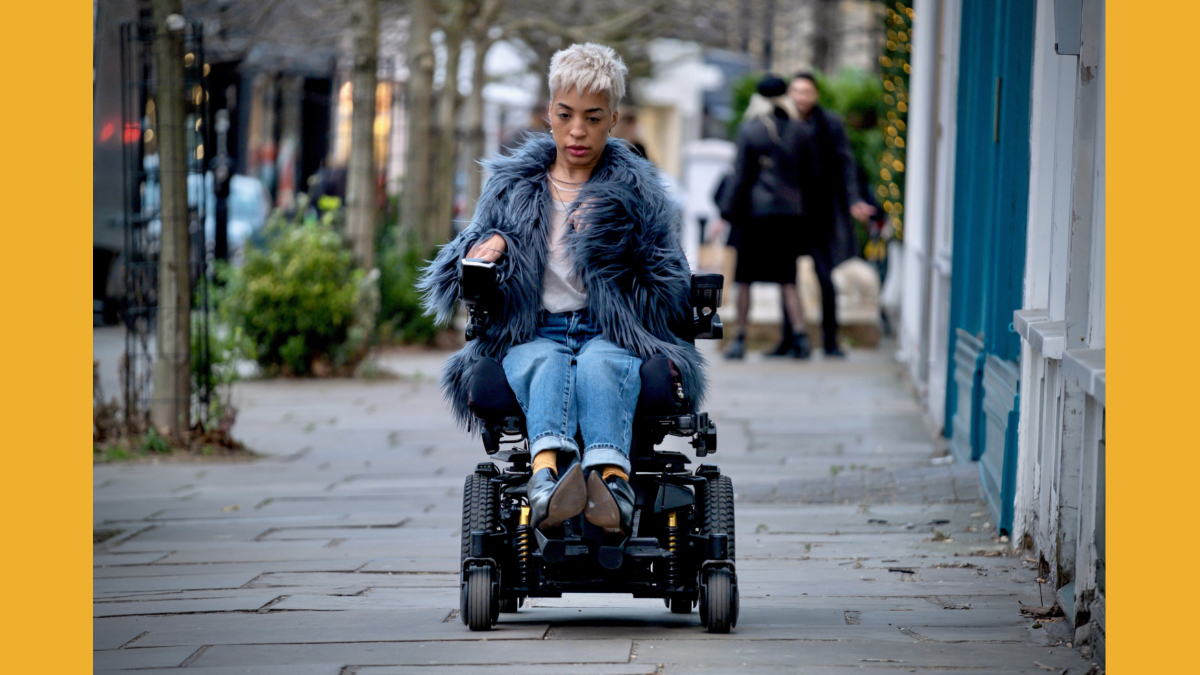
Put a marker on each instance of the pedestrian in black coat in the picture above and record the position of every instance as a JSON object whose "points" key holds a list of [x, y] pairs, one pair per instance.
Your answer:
{"points": [[831, 200], [764, 206]]}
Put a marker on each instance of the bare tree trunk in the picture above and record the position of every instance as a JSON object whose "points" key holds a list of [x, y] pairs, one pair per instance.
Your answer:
{"points": [[445, 160], [361, 175], [474, 117], [171, 406], [418, 177], [474, 125], [826, 34]]}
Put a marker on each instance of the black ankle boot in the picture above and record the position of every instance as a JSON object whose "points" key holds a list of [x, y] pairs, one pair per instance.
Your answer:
{"points": [[609, 503], [553, 500], [800, 348]]}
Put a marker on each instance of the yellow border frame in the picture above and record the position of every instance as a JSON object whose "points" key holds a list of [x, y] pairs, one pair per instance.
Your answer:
{"points": [[1153, 99], [44, 340], [44, 344]]}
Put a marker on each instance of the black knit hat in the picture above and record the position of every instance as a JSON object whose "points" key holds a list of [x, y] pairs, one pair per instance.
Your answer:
{"points": [[772, 86]]}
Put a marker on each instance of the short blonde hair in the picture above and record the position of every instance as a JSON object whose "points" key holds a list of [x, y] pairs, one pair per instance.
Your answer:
{"points": [[589, 68]]}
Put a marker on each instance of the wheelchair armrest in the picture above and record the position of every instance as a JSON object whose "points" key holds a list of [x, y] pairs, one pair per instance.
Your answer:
{"points": [[662, 392]]}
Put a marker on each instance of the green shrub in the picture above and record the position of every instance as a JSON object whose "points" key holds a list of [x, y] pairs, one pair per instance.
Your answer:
{"points": [[401, 318], [294, 299], [152, 442]]}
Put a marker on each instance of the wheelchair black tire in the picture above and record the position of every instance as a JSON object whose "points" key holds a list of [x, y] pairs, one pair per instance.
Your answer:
{"points": [[480, 606], [479, 509], [716, 510], [720, 598], [509, 605]]}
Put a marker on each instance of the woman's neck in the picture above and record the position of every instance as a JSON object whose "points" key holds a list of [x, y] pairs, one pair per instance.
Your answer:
{"points": [[571, 175]]}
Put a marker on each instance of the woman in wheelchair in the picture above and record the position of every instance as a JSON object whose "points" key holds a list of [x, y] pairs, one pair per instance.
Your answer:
{"points": [[593, 282]]}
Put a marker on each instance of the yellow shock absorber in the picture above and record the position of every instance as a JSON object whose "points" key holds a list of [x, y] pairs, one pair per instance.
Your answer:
{"points": [[523, 544], [674, 564]]}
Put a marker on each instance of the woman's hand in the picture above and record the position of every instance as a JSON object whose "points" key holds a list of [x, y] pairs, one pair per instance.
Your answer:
{"points": [[490, 249]]}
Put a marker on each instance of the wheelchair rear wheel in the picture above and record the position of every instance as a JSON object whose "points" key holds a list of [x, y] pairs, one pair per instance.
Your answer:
{"points": [[479, 509]]}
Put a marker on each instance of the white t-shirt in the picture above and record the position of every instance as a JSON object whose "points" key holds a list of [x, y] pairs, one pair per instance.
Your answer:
{"points": [[562, 291]]}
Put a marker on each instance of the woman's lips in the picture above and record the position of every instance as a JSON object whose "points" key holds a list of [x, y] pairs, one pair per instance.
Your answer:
{"points": [[577, 150]]}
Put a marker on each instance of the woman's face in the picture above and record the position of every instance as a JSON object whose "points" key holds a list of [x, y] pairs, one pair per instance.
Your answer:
{"points": [[580, 124]]}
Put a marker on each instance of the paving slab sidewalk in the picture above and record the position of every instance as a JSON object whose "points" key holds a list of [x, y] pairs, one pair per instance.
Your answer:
{"points": [[337, 552]]}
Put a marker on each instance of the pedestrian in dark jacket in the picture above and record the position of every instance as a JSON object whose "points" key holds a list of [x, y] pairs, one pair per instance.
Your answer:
{"points": [[764, 207], [833, 198]]}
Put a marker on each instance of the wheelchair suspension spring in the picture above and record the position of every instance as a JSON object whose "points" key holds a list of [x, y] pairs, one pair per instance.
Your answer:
{"points": [[523, 546], [674, 564]]}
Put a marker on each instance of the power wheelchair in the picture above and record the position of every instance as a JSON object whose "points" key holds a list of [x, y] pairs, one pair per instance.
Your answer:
{"points": [[681, 547]]}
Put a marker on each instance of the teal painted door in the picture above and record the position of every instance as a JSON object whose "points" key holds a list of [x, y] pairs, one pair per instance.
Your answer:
{"points": [[990, 213]]}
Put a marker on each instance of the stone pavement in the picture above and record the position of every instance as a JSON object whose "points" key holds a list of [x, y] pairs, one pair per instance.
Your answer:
{"points": [[338, 551]]}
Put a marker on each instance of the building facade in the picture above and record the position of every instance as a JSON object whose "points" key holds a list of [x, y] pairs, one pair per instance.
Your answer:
{"points": [[1002, 318]]}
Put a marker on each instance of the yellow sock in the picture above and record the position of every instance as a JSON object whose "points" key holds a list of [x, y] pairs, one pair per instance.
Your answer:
{"points": [[610, 471], [546, 459]]}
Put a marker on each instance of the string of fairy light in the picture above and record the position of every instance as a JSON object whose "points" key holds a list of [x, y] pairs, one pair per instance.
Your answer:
{"points": [[895, 70]]}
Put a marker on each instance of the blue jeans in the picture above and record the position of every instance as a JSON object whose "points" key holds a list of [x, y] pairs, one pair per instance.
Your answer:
{"points": [[569, 378]]}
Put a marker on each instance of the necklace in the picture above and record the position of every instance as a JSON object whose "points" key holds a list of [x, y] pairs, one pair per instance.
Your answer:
{"points": [[560, 188]]}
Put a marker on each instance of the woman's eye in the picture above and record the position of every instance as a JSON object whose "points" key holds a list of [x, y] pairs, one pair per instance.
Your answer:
{"points": [[593, 120], [563, 116]]}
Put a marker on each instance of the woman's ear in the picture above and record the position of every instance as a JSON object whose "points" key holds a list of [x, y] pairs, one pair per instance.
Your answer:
{"points": [[613, 124]]}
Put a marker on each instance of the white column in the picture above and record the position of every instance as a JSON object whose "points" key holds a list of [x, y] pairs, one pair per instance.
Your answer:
{"points": [[941, 244], [919, 192]]}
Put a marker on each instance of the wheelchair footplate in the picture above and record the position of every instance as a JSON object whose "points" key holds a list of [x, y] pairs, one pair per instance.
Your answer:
{"points": [[581, 540]]}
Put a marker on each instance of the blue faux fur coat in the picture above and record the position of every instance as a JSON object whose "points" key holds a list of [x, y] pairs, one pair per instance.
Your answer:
{"points": [[625, 251]]}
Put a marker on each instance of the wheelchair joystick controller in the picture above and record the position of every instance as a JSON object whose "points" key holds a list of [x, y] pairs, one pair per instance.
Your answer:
{"points": [[705, 299], [479, 283]]}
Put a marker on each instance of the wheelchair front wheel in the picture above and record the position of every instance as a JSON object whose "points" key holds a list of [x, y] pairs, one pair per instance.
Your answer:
{"points": [[719, 601], [481, 606]]}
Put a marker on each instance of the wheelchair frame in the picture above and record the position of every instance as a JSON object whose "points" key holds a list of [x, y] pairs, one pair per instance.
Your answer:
{"points": [[681, 547]]}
